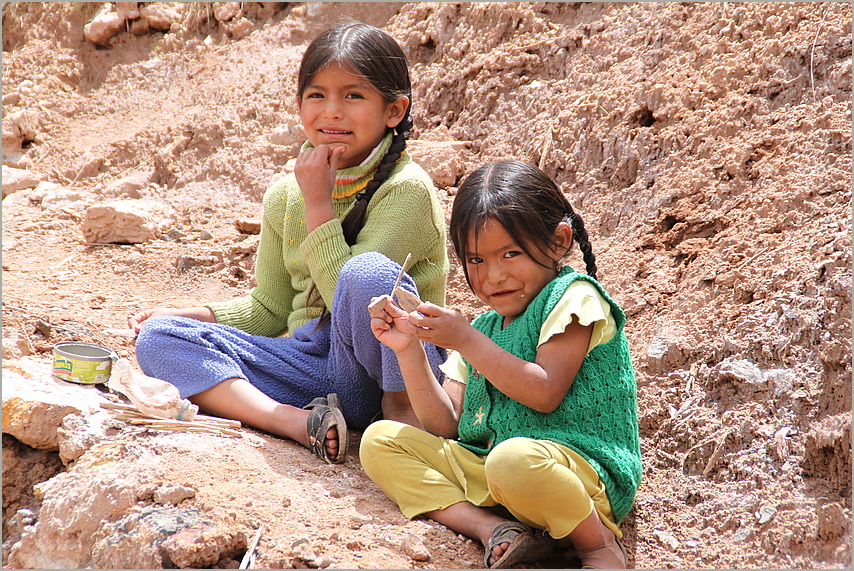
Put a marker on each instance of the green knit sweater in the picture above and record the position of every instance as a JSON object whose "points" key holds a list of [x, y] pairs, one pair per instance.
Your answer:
{"points": [[598, 416], [404, 216]]}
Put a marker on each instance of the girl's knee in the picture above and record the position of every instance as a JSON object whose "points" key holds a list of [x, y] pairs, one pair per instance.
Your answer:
{"points": [[377, 442], [511, 459], [155, 329], [159, 332], [368, 275]]}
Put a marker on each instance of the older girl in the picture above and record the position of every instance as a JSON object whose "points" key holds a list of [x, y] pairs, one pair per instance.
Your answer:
{"points": [[333, 236]]}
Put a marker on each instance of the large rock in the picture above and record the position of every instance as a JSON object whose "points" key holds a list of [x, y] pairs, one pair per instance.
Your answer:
{"points": [[19, 179], [127, 221], [35, 403], [104, 26]]}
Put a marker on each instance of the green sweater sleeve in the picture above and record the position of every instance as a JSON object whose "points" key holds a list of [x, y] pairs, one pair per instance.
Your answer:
{"points": [[266, 309]]}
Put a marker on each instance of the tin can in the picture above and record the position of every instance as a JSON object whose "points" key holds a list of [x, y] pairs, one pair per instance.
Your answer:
{"points": [[84, 363]]}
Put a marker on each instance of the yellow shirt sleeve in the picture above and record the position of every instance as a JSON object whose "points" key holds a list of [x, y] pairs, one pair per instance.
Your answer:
{"points": [[455, 368], [582, 300]]}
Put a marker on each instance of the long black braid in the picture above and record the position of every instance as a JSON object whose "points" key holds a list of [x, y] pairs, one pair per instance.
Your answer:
{"points": [[354, 221], [579, 234]]}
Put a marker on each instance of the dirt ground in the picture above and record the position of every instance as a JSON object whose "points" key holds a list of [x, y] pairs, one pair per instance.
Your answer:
{"points": [[706, 145]]}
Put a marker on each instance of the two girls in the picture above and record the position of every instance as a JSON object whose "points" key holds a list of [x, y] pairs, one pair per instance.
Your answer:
{"points": [[533, 436]]}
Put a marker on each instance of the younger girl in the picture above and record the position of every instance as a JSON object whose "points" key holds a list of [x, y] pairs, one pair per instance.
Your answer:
{"points": [[535, 427], [332, 236]]}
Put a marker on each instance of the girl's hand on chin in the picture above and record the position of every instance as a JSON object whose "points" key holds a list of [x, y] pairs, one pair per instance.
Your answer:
{"points": [[315, 170]]}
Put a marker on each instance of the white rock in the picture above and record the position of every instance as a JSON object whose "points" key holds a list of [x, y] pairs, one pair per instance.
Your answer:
{"points": [[663, 354], [740, 370], [415, 548], [161, 15], [288, 134], [666, 539], [35, 403], [173, 494], [225, 11], [241, 28], [103, 26], [127, 221], [130, 185], [19, 179], [56, 197]]}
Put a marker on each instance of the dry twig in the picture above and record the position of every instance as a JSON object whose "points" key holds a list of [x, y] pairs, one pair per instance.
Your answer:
{"points": [[248, 560], [812, 51], [201, 423], [719, 448]]}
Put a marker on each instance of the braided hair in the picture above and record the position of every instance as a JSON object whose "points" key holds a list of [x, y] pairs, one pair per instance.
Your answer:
{"points": [[527, 203], [370, 53]]}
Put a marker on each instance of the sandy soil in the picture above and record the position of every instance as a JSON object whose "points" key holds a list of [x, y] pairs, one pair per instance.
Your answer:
{"points": [[708, 147]]}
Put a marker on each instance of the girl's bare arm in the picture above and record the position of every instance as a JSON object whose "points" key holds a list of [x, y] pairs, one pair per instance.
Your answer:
{"points": [[540, 385], [437, 409]]}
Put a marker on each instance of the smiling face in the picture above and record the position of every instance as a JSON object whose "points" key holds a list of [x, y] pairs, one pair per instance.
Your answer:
{"points": [[502, 274], [339, 108]]}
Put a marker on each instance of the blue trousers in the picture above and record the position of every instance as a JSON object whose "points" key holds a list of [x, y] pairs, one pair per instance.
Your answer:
{"points": [[340, 356]]}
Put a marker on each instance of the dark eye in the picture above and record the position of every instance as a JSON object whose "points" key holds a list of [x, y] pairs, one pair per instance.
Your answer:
{"points": [[474, 260], [314, 95], [355, 96], [512, 254]]}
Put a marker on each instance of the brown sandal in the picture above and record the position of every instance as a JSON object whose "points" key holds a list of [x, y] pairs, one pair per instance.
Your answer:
{"points": [[326, 413], [525, 545]]}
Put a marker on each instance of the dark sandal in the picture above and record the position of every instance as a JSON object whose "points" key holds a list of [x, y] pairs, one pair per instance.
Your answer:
{"points": [[326, 413], [525, 545]]}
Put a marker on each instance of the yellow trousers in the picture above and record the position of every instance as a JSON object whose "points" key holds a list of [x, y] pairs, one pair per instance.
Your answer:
{"points": [[540, 483]]}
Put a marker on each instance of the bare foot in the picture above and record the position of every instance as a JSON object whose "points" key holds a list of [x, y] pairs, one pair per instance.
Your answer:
{"points": [[332, 442], [498, 552]]}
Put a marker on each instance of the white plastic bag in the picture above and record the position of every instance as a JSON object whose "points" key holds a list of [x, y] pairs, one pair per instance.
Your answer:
{"points": [[151, 396]]}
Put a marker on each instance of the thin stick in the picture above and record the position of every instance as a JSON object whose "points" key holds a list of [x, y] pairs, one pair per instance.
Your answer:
{"points": [[812, 51], [250, 553], [29, 343], [402, 270], [135, 413], [179, 426], [713, 459]]}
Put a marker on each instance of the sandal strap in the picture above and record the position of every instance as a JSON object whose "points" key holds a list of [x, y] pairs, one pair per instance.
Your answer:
{"points": [[504, 532], [326, 413]]}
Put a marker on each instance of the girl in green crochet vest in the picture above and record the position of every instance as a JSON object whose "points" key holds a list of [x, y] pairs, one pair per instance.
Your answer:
{"points": [[532, 441], [296, 356]]}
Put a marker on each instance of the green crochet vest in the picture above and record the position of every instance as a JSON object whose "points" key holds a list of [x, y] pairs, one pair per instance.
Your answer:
{"points": [[598, 417]]}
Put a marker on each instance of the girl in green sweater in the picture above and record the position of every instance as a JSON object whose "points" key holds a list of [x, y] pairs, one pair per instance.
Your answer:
{"points": [[296, 357], [532, 441]]}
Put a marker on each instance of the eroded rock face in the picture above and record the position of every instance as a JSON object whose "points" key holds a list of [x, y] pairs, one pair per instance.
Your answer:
{"points": [[23, 468]]}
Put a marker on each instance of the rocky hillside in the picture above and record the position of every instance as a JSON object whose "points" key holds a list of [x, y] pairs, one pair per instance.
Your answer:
{"points": [[706, 145]]}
